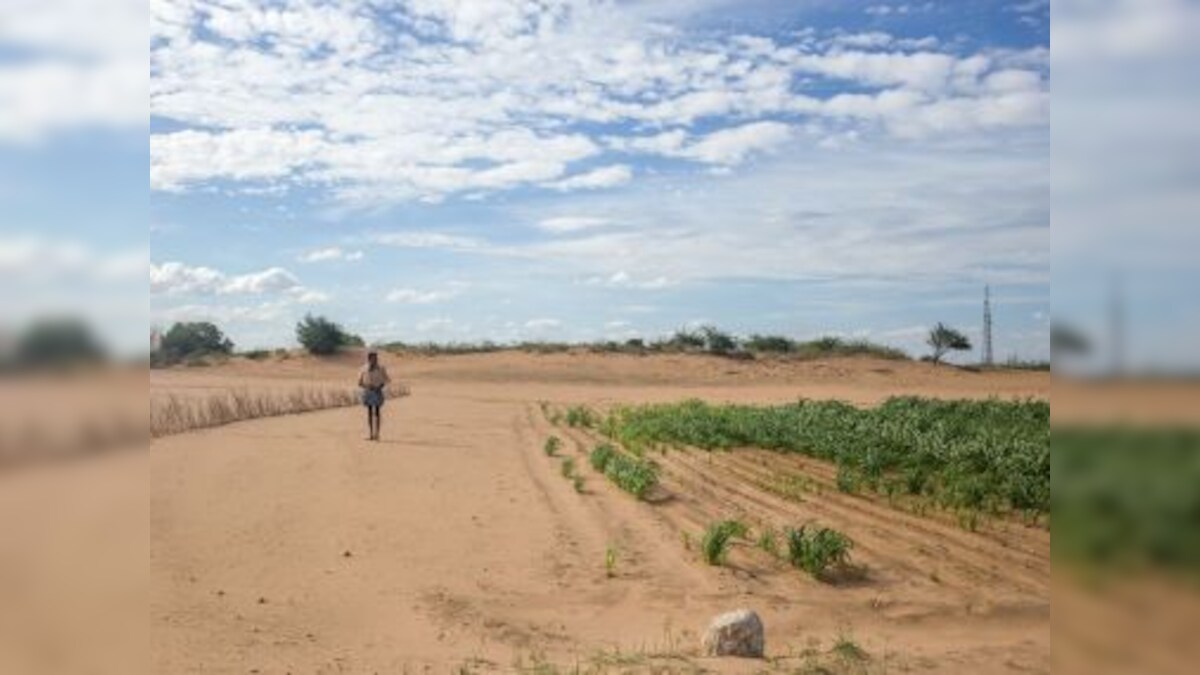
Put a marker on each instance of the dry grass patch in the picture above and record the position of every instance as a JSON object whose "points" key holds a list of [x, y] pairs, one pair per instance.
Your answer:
{"points": [[172, 414]]}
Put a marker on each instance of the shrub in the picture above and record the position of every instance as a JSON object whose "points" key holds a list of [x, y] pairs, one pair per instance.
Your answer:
{"points": [[551, 446], [256, 354], [685, 339], [770, 343], [715, 543], [815, 550], [57, 342], [191, 340], [718, 342], [321, 336], [568, 467]]}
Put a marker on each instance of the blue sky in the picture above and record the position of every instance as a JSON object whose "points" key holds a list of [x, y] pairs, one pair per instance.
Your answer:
{"points": [[571, 170]]}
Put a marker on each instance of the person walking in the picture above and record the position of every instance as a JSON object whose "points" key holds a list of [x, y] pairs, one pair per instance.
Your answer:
{"points": [[372, 379]]}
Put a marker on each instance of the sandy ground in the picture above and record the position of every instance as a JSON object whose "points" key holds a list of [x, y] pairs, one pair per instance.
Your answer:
{"points": [[292, 545]]}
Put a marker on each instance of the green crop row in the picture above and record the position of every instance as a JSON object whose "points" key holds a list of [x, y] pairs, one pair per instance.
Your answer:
{"points": [[988, 455], [632, 474], [1127, 499]]}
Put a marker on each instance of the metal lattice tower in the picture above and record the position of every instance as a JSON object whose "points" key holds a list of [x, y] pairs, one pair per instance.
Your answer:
{"points": [[987, 326]]}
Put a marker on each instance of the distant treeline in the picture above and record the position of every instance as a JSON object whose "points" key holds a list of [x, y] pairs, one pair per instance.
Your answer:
{"points": [[705, 340]]}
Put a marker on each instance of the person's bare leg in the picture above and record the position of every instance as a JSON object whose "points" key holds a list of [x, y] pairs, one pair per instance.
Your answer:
{"points": [[370, 424], [378, 421]]}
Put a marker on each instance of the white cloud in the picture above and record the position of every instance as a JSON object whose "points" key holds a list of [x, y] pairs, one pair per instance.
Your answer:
{"points": [[76, 67], [272, 280], [184, 157], [604, 177], [433, 325], [729, 146], [176, 278], [412, 296], [566, 224], [732, 146], [622, 279], [429, 240], [330, 253], [447, 97], [542, 324]]}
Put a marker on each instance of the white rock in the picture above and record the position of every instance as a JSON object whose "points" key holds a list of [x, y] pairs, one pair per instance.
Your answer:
{"points": [[736, 633]]}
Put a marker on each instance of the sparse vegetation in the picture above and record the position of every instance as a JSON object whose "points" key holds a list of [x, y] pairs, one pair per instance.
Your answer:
{"points": [[768, 542], [568, 467], [634, 475], [703, 340], [581, 416], [846, 648], [714, 546], [610, 562], [823, 347], [551, 446], [990, 456], [816, 550]]}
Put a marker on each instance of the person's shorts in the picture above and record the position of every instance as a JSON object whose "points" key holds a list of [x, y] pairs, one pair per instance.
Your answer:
{"points": [[372, 398]]}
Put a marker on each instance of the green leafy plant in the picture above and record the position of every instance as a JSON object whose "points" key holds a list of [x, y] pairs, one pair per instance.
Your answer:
{"points": [[989, 456], [768, 542], [715, 544], [581, 416], [816, 550], [568, 467], [634, 475], [551, 446]]}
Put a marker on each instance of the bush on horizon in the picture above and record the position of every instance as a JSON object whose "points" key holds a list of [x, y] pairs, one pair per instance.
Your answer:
{"points": [[322, 337], [191, 341], [55, 342]]}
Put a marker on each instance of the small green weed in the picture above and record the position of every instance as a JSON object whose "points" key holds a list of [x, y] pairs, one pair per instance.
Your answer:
{"points": [[552, 445], [815, 550], [715, 544]]}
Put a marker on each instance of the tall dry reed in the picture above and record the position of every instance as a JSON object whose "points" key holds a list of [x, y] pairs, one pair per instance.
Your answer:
{"points": [[173, 414]]}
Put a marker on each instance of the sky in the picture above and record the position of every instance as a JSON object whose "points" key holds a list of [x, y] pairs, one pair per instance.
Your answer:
{"points": [[456, 170]]}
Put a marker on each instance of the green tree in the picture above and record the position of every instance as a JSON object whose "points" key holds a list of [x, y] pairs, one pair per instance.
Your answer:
{"points": [[1067, 341], [194, 338], [57, 341], [321, 336], [943, 339]]}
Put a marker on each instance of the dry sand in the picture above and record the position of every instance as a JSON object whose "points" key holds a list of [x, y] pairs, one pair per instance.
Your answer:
{"points": [[292, 545]]}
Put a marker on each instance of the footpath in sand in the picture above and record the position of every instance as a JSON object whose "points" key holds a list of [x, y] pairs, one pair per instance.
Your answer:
{"points": [[293, 545]]}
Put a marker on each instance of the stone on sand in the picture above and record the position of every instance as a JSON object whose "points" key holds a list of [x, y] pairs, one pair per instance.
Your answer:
{"points": [[736, 633]]}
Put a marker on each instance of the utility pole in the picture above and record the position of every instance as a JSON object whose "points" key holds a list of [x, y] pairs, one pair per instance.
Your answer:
{"points": [[988, 359]]}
